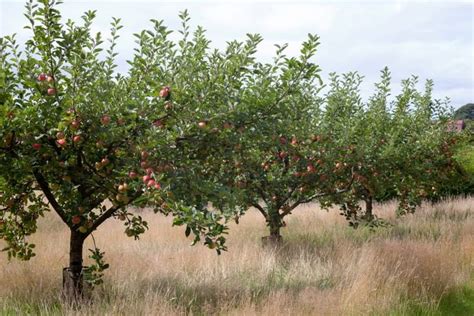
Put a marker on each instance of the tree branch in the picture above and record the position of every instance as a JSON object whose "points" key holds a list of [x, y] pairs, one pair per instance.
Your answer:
{"points": [[49, 195], [260, 208]]}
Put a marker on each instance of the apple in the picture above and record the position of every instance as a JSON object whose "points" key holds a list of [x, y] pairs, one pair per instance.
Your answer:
{"points": [[75, 124], [132, 174], [50, 79], [82, 229], [149, 171], [168, 106], [294, 141], [123, 187], [41, 77], [283, 140], [158, 123], [61, 142], [105, 161], [76, 219], [36, 146], [150, 183], [51, 91], [157, 186], [144, 155], [60, 135], [76, 139], [282, 154], [146, 178], [144, 164], [202, 124], [105, 120], [165, 92], [310, 168]]}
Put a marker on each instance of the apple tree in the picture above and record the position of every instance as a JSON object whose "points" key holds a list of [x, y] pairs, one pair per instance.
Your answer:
{"points": [[91, 144]]}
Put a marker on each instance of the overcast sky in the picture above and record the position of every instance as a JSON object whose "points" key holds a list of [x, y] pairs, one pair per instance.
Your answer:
{"points": [[431, 39]]}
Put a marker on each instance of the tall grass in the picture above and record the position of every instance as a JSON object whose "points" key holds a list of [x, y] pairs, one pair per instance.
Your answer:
{"points": [[324, 267]]}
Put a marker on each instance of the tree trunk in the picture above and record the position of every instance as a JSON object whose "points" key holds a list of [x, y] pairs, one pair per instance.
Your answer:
{"points": [[274, 224], [369, 216], [72, 276]]}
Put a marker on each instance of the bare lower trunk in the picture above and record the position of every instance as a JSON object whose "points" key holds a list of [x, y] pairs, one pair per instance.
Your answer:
{"points": [[274, 224], [72, 276], [369, 216]]}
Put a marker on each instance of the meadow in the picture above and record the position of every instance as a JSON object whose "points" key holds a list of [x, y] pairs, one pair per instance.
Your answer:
{"points": [[422, 264]]}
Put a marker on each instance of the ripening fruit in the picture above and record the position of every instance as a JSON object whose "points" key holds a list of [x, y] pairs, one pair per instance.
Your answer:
{"points": [[105, 161], [132, 174], [50, 79], [165, 92], [51, 91], [76, 139], [310, 168], [76, 219], [150, 183], [61, 142], [158, 123], [282, 154], [283, 140], [294, 141], [157, 186], [202, 124], [105, 120], [41, 77], [75, 124], [168, 106], [144, 155], [146, 178], [83, 229], [123, 187], [36, 146], [60, 135], [144, 164], [149, 171]]}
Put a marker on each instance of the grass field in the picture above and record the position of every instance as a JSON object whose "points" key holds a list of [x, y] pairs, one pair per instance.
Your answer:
{"points": [[422, 265]]}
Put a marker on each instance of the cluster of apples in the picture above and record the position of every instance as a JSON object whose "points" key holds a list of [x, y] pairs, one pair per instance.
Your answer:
{"points": [[47, 80], [149, 172]]}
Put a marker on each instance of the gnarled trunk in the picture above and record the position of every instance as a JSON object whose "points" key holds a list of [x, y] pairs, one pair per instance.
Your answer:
{"points": [[369, 216], [274, 222], [72, 275]]}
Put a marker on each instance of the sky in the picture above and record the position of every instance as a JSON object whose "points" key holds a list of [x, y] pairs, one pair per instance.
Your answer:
{"points": [[430, 39]]}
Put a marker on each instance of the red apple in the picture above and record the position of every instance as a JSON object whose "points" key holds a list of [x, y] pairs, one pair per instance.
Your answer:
{"points": [[158, 123], [76, 139], [150, 183], [157, 186], [282, 154], [132, 174], [310, 168], [75, 124], [164, 92], [76, 219], [41, 77], [105, 161], [105, 120], [36, 146], [144, 164], [149, 171], [146, 178], [61, 142], [51, 91]]}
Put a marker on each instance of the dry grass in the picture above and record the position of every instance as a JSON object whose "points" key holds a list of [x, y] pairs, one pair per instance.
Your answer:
{"points": [[324, 268]]}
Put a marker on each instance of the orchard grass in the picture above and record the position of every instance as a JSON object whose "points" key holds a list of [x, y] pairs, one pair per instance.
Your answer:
{"points": [[421, 264]]}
